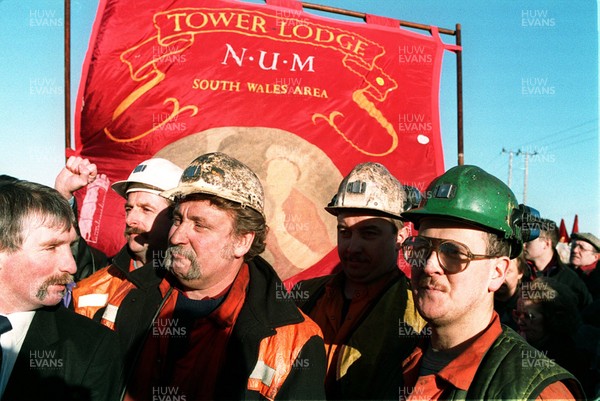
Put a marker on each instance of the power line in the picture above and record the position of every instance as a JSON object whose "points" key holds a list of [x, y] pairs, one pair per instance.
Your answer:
{"points": [[571, 137], [559, 132], [577, 143]]}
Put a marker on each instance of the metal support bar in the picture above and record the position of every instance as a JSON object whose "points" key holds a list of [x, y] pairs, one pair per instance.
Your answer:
{"points": [[459, 100], [67, 46], [357, 14]]}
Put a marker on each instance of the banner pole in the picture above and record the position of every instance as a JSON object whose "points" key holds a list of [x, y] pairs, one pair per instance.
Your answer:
{"points": [[357, 14], [459, 98], [67, 61]]}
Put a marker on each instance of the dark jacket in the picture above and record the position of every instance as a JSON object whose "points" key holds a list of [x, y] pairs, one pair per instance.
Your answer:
{"points": [[136, 311], [264, 311], [567, 276], [263, 314], [591, 280], [505, 309], [499, 374], [65, 357], [88, 259], [371, 359]]}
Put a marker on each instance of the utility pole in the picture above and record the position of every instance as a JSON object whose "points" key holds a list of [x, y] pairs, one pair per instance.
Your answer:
{"points": [[510, 161], [527, 154]]}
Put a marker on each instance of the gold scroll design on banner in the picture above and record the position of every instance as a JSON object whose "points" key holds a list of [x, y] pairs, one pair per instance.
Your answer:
{"points": [[148, 71], [359, 97], [174, 28]]}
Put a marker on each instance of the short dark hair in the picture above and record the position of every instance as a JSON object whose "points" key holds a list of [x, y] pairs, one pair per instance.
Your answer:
{"points": [[22, 200], [4, 178], [522, 266], [497, 245], [245, 220], [548, 229]]}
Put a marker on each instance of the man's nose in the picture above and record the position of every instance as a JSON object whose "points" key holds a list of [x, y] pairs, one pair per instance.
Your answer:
{"points": [[68, 264], [178, 235]]}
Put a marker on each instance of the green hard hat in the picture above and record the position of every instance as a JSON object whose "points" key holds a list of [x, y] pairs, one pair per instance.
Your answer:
{"points": [[469, 194]]}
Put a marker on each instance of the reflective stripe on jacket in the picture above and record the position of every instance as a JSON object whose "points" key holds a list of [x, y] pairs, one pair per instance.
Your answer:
{"points": [[93, 293], [278, 354]]}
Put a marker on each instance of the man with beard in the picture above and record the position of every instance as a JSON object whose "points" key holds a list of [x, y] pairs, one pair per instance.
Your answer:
{"points": [[224, 331], [124, 296], [365, 311], [470, 226], [48, 352]]}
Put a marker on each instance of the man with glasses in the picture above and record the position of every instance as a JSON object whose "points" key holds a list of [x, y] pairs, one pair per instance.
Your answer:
{"points": [[470, 226], [585, 252]]}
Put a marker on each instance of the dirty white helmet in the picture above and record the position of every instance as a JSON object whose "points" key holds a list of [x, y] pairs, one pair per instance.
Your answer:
{"points": [[152, 175], [371, 186], [221, 175]]}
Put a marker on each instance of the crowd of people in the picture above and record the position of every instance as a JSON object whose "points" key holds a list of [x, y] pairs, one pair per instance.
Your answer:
{"points": [[189, 310]]}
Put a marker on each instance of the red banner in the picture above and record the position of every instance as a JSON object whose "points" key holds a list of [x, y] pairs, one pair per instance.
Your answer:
{"points": [[299, 98]]}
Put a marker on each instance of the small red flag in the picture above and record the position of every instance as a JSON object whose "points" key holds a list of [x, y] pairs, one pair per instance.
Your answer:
{"points": [[563, 235], [575, 225]]}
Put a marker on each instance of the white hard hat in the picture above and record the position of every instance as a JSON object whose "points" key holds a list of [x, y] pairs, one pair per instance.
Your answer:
{"points": [[371, 186], [223, 176], [152, 175]]}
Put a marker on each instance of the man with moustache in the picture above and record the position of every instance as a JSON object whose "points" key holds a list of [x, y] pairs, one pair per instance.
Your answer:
{"points": [[469, 228], [125, 295], [366, 311], [48, 352], [224, 331]]}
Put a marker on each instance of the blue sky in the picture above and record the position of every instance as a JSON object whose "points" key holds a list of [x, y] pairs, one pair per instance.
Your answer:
{"points": [[530, 84]]}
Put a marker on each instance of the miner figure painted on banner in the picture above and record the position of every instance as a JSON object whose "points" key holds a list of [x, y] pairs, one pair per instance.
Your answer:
{"points": [[366, 310]]}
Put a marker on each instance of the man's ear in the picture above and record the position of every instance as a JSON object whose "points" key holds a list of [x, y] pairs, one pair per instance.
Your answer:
{"points": [[403, 234], [498, 273], [548, 242], [242, 244]]}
